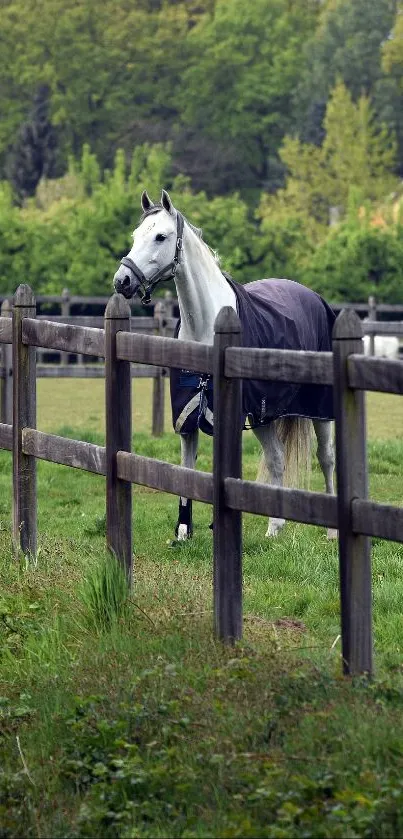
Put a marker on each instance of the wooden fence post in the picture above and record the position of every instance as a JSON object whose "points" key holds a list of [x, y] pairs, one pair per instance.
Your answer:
{"points": [[227, 448], [352, 482], [118, 435], [372, 315], [24, 416], [159, 380], [7, 381]]}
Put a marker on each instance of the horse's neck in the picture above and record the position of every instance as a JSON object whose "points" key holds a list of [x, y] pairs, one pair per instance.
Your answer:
{"points": [[202, 290]]}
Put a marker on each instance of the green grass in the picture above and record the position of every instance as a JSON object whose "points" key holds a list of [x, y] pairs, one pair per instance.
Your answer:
{"points": [[123, 717]]}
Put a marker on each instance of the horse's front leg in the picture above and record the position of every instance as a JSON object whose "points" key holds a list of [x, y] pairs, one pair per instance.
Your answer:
{"points": [[184, 527]]}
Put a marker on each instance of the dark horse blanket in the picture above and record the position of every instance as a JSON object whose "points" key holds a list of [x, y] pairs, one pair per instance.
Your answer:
{"points": [[278, 314]]}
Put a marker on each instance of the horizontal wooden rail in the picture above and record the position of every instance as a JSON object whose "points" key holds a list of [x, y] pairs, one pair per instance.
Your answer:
{"points": [[368, 517], [157, 474], [6, 330], [384, 375], [375, 519], [137, 324], [390, 308], [6, 436], [84, 340], [293, 366], [379, 327], [70, 371], [164, 352], [294, 504], [75, 453], [89, 371]]}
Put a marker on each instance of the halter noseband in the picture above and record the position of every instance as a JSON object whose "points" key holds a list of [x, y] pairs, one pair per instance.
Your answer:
{"points": [[167, 273]]}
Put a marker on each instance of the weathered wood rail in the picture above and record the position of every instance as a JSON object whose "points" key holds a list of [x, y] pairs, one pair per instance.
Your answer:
{"points": [[346, 369]]}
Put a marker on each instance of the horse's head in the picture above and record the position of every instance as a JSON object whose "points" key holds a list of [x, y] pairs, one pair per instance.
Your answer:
{"points": [[155, 255]]}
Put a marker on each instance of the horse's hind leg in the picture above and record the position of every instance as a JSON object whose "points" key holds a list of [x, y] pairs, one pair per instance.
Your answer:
{"points": [[273, 453], [324, 436], [184, 527]]}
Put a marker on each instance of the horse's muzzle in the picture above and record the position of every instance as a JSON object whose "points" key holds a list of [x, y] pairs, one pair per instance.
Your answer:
{"points": [[125, 282]]}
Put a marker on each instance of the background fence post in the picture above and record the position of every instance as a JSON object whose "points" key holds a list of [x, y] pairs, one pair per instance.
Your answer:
{"points": [[169, 303], [372, 315], [65, 311], [159, 380], [118, 418], [352, 482], [24, 416], [227, 447], [7, 381]]}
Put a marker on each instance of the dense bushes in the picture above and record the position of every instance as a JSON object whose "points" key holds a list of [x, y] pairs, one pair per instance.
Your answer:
{"points": [[75, 230], [356, 260]]}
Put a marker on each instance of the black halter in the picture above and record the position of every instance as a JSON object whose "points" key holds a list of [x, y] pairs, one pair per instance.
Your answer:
{"points": [[167, 273]]}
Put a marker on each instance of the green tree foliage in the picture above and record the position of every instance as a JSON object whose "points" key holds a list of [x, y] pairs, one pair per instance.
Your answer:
{"points": [[283, 105], [246, 61], [356, 152], [392, 51], [77, 229], [347, 44], [13, 249], [223, 80], [286, 241], [111, 68], [216, 78], [358, 259]]}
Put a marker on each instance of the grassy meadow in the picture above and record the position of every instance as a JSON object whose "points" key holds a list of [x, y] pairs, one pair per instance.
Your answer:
{"points": [[122, 717]]}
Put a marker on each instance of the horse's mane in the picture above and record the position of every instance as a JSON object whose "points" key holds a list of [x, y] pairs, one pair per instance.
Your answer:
{"points": [[156, 208]]}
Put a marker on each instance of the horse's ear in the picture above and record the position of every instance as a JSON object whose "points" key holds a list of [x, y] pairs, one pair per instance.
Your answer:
{"points": [[166, 201], [146, 202]]}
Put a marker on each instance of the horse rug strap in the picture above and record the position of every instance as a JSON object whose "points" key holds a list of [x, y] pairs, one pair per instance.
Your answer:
{"points": [[280, 314], [194, 402]]}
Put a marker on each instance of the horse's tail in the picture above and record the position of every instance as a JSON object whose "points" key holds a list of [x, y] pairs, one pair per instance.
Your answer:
{"points": [[296, 435]]}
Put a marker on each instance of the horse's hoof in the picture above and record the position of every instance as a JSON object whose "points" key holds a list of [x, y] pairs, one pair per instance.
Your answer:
{"points": [[332, 534], [173, 543], [274, 529], [182, 533]]}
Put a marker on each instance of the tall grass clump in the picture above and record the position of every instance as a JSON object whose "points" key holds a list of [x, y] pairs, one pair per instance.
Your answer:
{"points": [[104, 594]]}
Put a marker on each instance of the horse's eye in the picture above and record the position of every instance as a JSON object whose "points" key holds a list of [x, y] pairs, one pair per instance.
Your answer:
{"points": [[160, 237]]}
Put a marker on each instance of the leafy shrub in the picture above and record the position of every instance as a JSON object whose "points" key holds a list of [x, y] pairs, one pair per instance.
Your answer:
{"points": [[356, 260]]}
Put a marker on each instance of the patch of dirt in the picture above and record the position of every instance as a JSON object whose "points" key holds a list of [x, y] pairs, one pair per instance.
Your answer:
{"points": [[290, 623]]}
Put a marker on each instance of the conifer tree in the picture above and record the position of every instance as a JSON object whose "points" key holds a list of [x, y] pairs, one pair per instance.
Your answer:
{"points": [[33, 154]]}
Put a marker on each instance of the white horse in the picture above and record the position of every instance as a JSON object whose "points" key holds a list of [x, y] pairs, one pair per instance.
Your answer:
{"points": [[166, 246]]}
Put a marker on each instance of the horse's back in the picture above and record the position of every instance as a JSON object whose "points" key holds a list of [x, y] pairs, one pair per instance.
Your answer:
{"points": [[284, 314]]}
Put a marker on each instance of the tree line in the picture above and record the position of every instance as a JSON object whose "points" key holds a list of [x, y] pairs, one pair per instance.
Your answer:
{"points": [[266, 120]]}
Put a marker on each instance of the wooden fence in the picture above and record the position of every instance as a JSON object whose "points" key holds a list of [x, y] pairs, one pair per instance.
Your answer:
{"points": [[346, 368], [162, 323]]}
